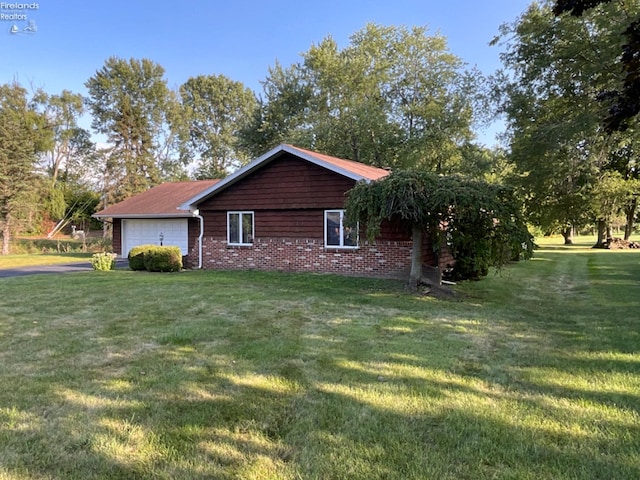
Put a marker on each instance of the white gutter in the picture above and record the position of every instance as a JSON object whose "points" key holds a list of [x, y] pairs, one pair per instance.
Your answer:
{"points": [[196, 213]]}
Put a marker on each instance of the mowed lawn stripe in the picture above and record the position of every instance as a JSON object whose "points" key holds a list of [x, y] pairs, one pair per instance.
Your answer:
{"points": [[529, 373]]}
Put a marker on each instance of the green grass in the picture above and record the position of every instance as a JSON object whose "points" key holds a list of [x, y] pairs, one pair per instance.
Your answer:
{"points": [[531, 373], [579, 241], [28, 260]]}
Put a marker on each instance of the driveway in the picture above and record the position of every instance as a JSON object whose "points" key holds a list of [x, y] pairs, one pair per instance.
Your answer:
{"points": [[61, 268]]}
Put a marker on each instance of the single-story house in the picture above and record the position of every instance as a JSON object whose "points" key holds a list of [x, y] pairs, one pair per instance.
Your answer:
{"points": [[283, 211]]}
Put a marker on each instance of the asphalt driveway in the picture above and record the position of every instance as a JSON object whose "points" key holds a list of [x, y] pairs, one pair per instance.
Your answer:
{"points": [[61, 268]]}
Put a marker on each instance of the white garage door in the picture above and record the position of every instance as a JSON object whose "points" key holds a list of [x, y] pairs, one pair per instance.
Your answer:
{"points": [[172, 232]]}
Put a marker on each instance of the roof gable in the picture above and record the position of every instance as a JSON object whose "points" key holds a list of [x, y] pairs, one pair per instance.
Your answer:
{"points": [[163, 200], [354, 170]]}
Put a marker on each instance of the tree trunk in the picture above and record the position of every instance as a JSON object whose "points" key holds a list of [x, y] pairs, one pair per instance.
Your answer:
{"points": [[107, 228], [416, 258], [567, 233], [631, 217], [602, 234], [6, 236]]}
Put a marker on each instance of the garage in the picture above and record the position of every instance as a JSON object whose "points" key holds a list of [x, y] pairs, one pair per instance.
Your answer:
{"points": [[169, 232], [154, 217]]}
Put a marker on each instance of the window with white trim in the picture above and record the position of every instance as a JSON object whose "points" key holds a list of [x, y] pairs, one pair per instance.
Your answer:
{"points": [[240, 228], [336, 233]]}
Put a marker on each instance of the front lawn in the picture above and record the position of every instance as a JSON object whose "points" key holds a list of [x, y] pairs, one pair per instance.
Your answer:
{"points": [[532, 373]]}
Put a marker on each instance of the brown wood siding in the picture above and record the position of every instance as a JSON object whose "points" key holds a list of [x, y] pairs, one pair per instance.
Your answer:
{"points": [[215, 223], [288, 197], [289, 224], [193, 232], [193, 229], [394, 230], [271, 223], [307, 224], [285, 183], [116, 239]]}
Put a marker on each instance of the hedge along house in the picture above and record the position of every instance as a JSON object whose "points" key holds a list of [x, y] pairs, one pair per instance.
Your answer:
{"points": [[284, 211], [154, 218]]}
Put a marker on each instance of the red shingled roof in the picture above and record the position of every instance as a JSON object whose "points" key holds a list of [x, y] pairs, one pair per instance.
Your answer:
{"points": [[357, 168], [160, 201]]}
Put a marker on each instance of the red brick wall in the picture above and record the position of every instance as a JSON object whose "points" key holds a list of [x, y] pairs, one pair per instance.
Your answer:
{"points": [[389, 256], [382, 259]]}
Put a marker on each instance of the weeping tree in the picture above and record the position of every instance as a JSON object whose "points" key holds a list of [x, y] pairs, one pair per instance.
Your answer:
{"points": [[480, 223]]}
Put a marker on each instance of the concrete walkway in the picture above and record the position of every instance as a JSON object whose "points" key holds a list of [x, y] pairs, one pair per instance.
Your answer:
{"points": [[60, 268]]}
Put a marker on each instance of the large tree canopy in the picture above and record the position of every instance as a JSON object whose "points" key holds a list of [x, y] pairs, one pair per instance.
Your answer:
{"points": [[624, 101], [560, 67], [130, 102], [393, 97], [215, 108]]}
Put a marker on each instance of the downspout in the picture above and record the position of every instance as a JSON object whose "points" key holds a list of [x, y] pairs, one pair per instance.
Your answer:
{"points": [[196, 213]]}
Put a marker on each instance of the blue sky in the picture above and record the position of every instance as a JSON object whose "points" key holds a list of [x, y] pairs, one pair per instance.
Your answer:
{"points": [[239, 38]]}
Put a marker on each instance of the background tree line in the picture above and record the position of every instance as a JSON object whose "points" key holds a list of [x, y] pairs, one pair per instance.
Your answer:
{"points": [[394, 97], [569, 71]]}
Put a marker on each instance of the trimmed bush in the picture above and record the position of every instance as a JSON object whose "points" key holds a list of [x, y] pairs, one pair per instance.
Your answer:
{"points": [[103, 261], [155, 259], [163, 259], [136, 256]]}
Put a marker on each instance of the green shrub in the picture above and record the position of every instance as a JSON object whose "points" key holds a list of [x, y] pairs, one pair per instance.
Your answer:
{"points": [[155, 259], [163, 259], [103, 261], [136, 256]]}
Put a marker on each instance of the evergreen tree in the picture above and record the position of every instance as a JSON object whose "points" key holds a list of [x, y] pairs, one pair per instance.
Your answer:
{"points": [[23, 135]]}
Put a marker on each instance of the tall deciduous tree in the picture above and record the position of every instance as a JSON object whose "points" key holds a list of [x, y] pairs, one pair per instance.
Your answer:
{"points": [[129, 101], [560, 68], [625, 161], [281, 111], [393, 97], [23, 134], [623, 101], [68, 160], [62, 113], [215, 110]]}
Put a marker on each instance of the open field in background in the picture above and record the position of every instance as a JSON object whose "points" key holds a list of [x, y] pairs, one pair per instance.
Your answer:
{"points": [[580, 241], [59, 245], [531, 373], [28, 260]]}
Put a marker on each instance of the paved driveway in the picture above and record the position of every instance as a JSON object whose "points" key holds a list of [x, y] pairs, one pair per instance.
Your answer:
{"points": [[61, 268]]}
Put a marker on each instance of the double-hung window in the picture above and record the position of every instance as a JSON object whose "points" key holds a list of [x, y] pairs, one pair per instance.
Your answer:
{"points": [[336, 233], [240, 228]]}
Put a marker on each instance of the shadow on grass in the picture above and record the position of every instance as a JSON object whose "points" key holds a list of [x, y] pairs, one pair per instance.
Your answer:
{"points": [[333, 421], [309, 379]]}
